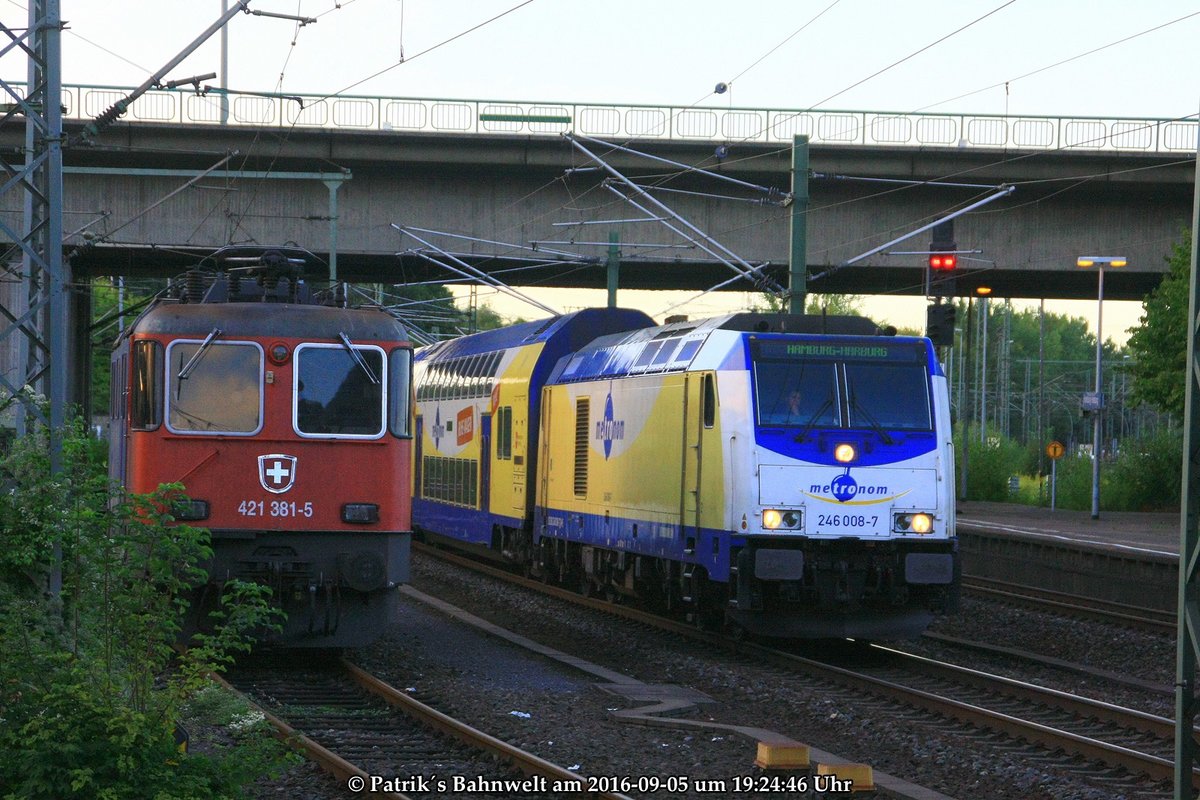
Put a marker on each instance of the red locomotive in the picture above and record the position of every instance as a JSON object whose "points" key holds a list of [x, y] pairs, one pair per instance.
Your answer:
{"points": [[288, 421]]}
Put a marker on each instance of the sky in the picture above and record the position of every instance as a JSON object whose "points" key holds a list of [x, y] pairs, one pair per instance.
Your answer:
{"points": [[1019, 57]]}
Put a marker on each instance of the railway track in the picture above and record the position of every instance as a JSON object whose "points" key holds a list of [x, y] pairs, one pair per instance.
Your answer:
{"points": [[1064, 726], [380, 742], [1130, 681], [1147, 619], [1118, 737]]}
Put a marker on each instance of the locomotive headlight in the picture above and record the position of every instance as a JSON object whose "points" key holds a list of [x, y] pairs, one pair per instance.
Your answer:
{"points": [[360, 513], [845, 453], [190, 510], [919, 523], [774, 519], [278, 353]]}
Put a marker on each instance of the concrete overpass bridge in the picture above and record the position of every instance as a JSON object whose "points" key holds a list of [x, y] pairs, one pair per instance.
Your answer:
{"points": [[184, 173]]}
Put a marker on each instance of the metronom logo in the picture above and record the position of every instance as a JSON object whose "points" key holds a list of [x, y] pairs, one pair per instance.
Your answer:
{"points": [[608, 429]]}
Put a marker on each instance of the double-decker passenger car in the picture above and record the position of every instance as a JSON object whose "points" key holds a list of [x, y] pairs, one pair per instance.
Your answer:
{"points": [[789, 475], [478, 401], [288, 423]]}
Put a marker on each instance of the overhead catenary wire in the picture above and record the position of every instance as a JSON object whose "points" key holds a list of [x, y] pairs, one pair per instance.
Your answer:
{"points": [[790, 36], [168, 196], [710, 290], [437, 46], [1068, 60], [488, 241]]}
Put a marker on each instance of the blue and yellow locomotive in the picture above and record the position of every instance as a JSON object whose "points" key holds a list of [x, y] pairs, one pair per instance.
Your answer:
{"points": [[790, 475]]}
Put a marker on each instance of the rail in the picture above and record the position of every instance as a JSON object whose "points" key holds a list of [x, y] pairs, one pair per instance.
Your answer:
{"points": [[922, 693], [212, 106]]}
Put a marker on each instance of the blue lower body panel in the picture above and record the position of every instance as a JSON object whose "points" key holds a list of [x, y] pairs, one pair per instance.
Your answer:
{"points": [[792, 588], [467, 525], [704, 547]]}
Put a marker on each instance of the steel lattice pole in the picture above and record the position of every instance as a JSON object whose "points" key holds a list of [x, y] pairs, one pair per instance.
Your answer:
{"points": [[1188, 636]]}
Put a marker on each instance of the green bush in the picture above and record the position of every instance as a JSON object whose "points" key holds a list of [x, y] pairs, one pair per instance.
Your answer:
{"points": [[91, 688], [1074, 479], [991, 463], [1146, 476]]}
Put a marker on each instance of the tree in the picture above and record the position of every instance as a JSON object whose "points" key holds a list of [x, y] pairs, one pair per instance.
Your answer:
{"points": [[1159, 343], [432, 309], [817, 304], [1036, 368], [488, 318], [113, 308], [848, 305]]}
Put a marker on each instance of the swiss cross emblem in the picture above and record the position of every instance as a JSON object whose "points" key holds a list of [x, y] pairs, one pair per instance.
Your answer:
{"points": [[276, 472]]}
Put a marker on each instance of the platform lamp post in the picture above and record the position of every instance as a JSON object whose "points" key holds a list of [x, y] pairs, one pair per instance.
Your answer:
{"points": [[1100, 262]]}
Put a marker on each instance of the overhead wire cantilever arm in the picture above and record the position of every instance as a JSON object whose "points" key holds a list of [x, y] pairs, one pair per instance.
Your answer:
{"points": [[758, 201], [767, 190], [472, 272], [742, 268], [605, 222], [901, 181], [109, 115], [731, 259], [1003, 191]]}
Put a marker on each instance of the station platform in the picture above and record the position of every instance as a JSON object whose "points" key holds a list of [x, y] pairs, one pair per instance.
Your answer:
{"points": [[1123, 557], [1151, 532]]}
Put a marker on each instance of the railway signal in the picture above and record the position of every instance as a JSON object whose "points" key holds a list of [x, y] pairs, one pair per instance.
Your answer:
{"points": [[943, 255], [943, 261], [939, 323]]}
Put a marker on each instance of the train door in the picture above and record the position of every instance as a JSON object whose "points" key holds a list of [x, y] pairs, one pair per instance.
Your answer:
{"points": [[118, 422], [693, 418], [520, 441], [418, 449], [485, 461], [544, 439]]}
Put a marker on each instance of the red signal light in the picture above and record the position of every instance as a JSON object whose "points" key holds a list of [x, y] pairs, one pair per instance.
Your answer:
{"points": [[943, 261]]}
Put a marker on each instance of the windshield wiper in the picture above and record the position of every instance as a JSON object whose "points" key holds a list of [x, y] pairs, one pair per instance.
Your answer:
{"points": [[358, 359], [195, 359], [871, 421], [808, 426]]}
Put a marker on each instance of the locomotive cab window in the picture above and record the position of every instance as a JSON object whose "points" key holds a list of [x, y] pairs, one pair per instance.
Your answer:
{"points": [[340, 390], [400, 392], [145, 395], [892, 396], [803, 393], [842, 385], [214, 387]]}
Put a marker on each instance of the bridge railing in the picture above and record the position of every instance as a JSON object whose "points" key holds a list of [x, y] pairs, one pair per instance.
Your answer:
{"points": [[726, 125]]}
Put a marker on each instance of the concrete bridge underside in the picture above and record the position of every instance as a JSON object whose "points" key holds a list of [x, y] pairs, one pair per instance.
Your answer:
{"points": [[512, 189]]}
